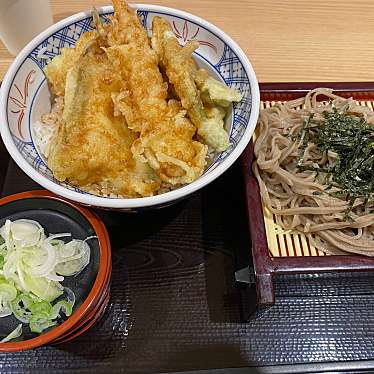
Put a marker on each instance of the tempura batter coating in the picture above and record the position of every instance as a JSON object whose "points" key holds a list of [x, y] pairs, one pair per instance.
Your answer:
{"points": [[93, 147], [178, 64], [182, 73], [57, 69], [165, 134]]}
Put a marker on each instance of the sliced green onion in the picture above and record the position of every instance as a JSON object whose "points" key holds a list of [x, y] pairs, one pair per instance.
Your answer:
{"points": [[54, 277], [32, 266], [40, 322], [7, 290], [26, 233], [70, 296], [20, 307], [10, 267], [46, 259], [7, 294], [41, 307], [74, 264], [5, 234], [55, 236], [63, 306], [14, 334], [21, 278], [45, 289]]}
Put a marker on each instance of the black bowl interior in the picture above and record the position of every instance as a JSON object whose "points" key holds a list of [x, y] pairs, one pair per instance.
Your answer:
{"points": [[55, 217]]}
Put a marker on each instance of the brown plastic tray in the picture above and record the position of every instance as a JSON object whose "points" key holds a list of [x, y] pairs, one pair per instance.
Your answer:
{"points": [[265, 265]]}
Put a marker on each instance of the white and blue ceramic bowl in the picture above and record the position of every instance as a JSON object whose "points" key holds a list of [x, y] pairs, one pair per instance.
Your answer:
{"points": [[25, 97]]}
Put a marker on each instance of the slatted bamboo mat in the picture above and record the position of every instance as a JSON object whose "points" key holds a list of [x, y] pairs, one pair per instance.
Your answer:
{"points": [[290, 243]]}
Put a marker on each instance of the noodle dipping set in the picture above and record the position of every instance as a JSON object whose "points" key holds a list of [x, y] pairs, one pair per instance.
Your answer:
{"points": [[277, 251], [171, 234]]}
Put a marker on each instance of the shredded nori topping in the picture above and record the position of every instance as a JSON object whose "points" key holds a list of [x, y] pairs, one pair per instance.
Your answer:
{"points": [[351, 137]]}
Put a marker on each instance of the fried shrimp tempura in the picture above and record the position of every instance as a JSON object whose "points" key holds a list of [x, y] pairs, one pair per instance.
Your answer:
{"points": [[165, 134], [181, 71]]}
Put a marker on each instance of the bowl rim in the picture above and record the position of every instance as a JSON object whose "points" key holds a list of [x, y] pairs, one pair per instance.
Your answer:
{"points": [[96, 290], [91, 314], [129, 203], [98, 314]]}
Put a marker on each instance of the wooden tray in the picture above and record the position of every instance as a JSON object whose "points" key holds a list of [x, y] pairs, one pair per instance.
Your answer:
{"points": [[274, 250]]}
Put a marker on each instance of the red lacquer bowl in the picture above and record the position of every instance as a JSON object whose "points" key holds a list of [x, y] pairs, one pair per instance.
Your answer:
{"points": [[59, 215]]}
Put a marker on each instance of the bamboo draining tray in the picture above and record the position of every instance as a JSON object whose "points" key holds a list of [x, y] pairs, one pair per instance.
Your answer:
{"points": [[274, 250]]}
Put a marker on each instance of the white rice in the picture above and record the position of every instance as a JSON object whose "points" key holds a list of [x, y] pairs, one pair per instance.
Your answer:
{"points": [[45, 130]]}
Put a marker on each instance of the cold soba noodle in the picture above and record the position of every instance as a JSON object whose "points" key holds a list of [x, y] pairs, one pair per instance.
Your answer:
{"points": [[315, 168]]}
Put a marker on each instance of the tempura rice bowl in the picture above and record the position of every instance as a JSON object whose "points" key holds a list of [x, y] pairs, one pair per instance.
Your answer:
{"points": [[25, 97]]}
